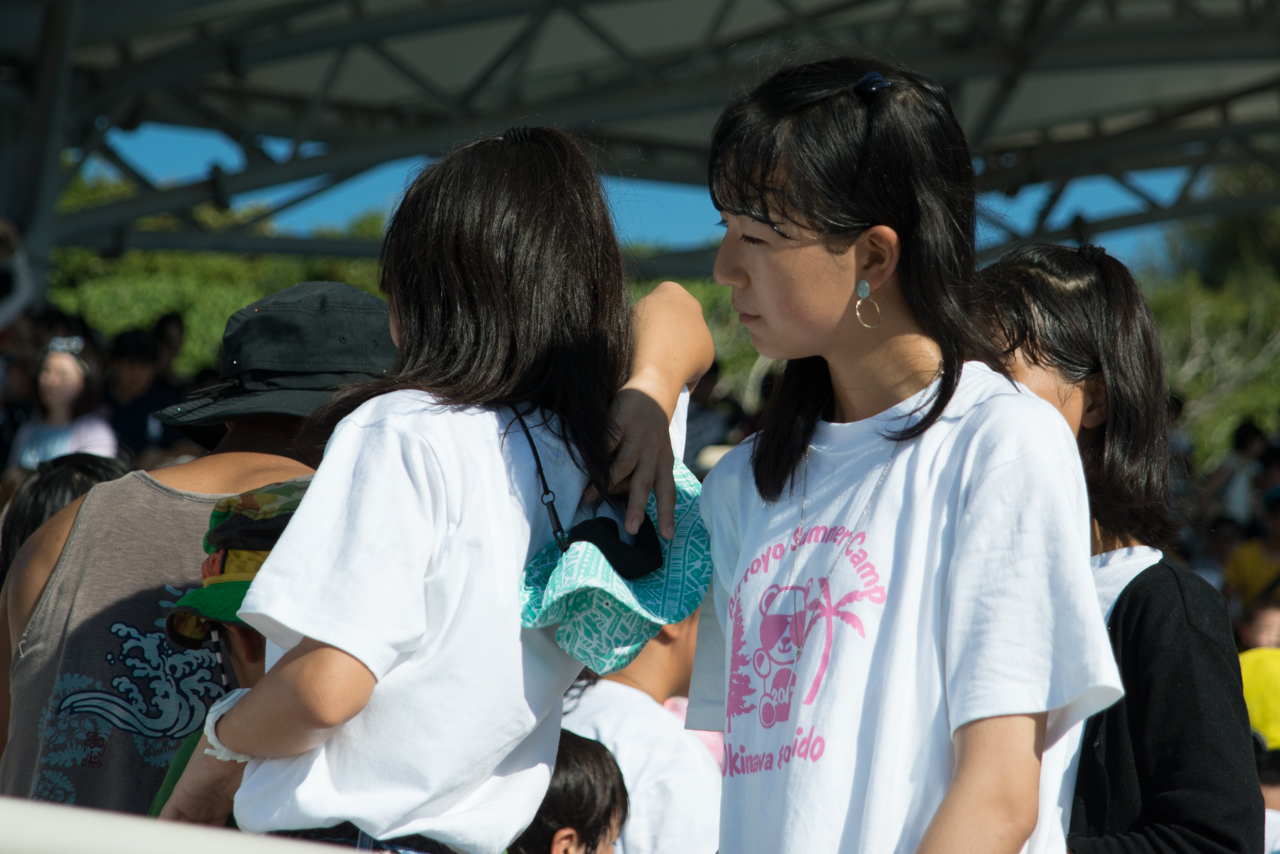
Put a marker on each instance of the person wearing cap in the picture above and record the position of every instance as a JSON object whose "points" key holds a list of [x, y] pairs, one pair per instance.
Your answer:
{"points": [[242, 531], [97, 703]]}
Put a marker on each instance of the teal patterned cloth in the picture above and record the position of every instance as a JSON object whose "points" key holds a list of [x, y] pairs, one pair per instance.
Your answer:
{"points": [[604, 620]]}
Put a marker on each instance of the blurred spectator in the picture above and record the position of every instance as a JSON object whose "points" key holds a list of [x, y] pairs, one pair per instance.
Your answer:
{"points": [[54, 485], [585, 807], [1217, 544], [67, 396], [1260, 628], [712, 414], [1231, 486], [1253, 571], [15, 401], [169, 332], [134, 391]]}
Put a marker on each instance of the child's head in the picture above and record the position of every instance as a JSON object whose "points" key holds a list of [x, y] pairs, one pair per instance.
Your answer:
{"points": [[66, 380], [585, 806], [826, 174], [243, 529], [507, 287], [53, 485], [1248, 440], [1075, 329], [1261, 626]]}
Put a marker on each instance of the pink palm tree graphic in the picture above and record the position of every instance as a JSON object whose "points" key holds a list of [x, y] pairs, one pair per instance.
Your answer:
{"points": [[823, 609]]}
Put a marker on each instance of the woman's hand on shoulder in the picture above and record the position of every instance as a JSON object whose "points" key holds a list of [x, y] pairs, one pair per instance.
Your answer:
{"points": [[673, 348], [644, 458]]}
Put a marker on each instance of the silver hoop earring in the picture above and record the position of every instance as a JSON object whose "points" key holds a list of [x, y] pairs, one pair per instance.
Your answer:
{"points": [[863, 290]]}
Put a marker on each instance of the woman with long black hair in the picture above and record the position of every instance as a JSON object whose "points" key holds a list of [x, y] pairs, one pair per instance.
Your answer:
{"points": [[902, 617], [1170, 768], [411, 711]]}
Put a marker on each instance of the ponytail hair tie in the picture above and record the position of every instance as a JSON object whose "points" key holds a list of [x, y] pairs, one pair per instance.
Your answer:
{"points": [[1091, 253], [870, 84], [517, 134]]}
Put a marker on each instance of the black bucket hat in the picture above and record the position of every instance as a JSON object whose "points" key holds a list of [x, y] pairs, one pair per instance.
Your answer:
{"points": [[286, 354]]}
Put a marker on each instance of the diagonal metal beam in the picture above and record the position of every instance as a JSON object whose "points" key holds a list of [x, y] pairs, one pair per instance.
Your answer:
{"points": [[308, 193], [637, 67], [211, 55], [599, 108], [1129, 184], [318, 97], [518, 47], [417, 78], [708, 38]]}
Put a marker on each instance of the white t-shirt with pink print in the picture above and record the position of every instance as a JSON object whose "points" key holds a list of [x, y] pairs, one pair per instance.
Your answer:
{"points": [[839, 658]]}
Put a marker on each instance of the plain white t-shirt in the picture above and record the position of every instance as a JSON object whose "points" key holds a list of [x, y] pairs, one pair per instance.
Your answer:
{"points": [[407, 552], [966, 594], [673, 785]]}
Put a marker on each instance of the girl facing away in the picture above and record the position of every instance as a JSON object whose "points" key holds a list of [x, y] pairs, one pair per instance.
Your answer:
{"points": [[1170, 768], [411, 712], [902, 616]]}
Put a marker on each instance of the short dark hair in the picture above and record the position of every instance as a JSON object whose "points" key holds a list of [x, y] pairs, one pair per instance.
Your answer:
{"points": [[508, 289], [812, 145], [54, 484], [137, 345], [1246, 434], [173, 318], [587, 793], [1086, 318]]}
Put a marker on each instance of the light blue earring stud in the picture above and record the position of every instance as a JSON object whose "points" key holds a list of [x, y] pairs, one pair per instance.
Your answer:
{"points": [[863, 290]]}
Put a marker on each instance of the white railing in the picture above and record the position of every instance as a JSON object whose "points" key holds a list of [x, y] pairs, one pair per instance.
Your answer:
{"points": [[27, 827]]}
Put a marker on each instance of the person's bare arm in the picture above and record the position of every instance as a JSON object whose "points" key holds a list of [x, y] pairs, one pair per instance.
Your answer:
{"points": [[673, 348], [314, 689], [33, 566], [993, 801], [23, 586]]}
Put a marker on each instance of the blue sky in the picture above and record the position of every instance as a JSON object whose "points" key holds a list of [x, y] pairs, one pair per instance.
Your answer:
{"points": [[670, 215]]}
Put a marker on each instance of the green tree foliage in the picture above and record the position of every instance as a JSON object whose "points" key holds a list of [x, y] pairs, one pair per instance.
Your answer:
{"points": [[136, 289], [1219, 318]]}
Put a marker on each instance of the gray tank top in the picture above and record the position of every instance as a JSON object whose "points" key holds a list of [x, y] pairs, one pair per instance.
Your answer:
{"points": [[100, 699]]}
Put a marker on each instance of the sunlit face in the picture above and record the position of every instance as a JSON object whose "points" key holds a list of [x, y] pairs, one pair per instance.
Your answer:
{"points": [[61, 380], [792, 294], [1067, 397]]}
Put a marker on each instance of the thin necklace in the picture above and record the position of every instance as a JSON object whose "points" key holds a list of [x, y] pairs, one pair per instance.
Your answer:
{"points": [[795, 558]]}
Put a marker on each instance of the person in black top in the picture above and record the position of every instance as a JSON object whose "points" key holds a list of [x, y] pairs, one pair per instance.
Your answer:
{"points": [[1170, 767], [134, 391]]}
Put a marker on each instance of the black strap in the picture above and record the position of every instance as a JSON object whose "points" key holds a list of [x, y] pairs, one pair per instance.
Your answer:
{"points": [[548, 497], [632, 562]]}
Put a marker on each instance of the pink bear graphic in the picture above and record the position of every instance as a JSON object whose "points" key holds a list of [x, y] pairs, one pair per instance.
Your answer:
{"points": [[781, 636]]}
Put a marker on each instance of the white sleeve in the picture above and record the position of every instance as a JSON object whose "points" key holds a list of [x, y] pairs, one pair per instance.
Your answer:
{"points": [[708, 688], [351, 568], [679, 424], [1023, 633]]}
